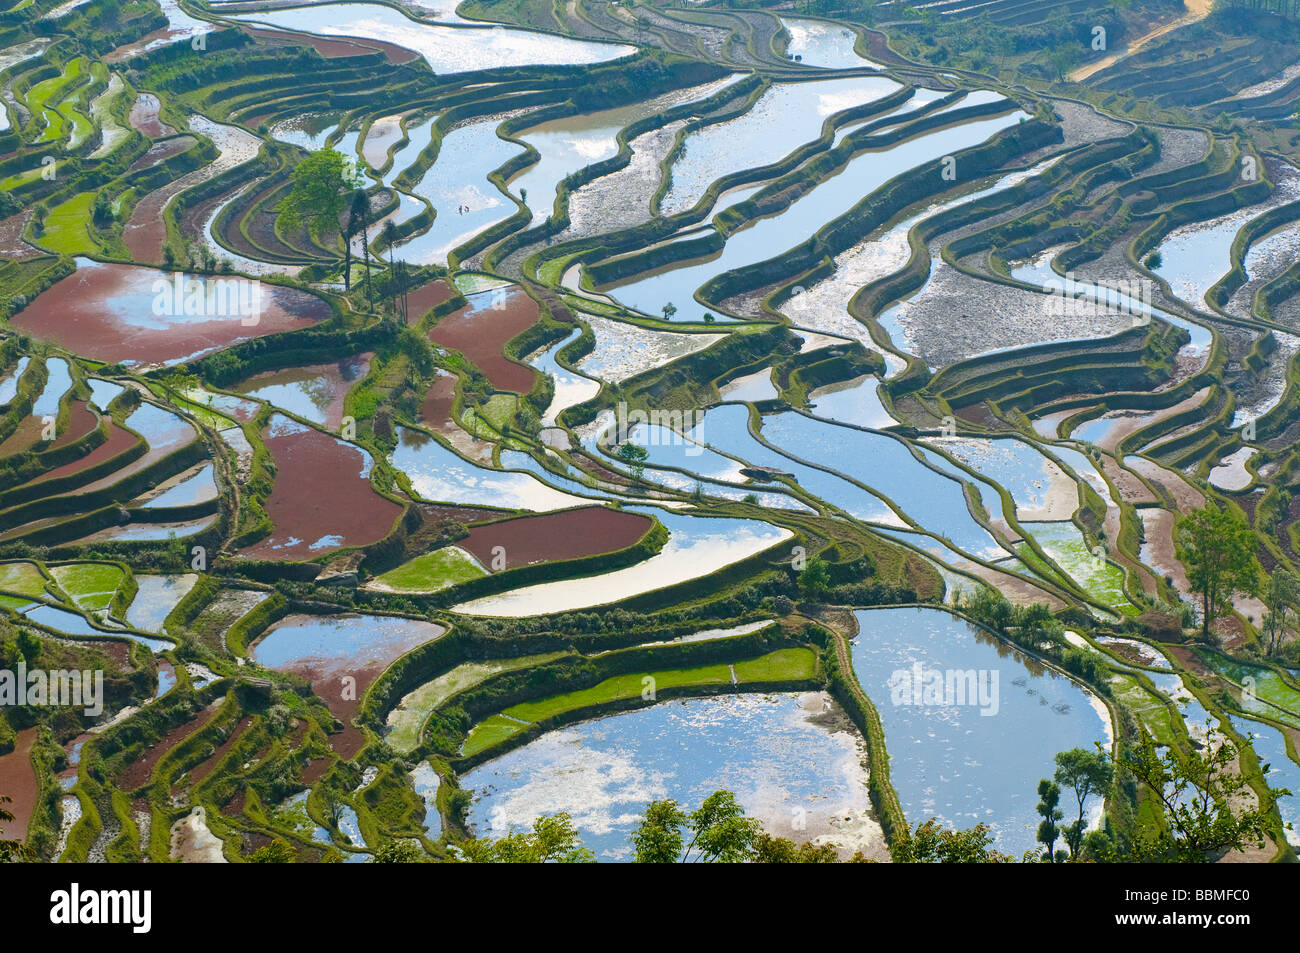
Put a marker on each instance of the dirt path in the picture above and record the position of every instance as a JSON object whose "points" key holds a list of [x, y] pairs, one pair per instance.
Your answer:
{"points": [[1197, 10]]}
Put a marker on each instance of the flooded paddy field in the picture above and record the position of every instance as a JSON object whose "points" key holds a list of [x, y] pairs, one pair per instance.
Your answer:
{"points": [[107, 312], [393, 386], [979, 761], [312, 509], [604, 771]]}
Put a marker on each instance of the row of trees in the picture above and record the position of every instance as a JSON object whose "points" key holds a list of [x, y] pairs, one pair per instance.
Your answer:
{"points": [[1196, 793]]}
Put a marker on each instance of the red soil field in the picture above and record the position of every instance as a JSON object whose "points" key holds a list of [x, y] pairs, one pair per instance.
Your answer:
{"points": [[119, 650], [81, 421], [119, 441], [144, 117], [204, 768], [427, 296], [107, 312], [435, 409], [18, 781], [438, 513], [138, 771], [161, 152], [332, 48], [322, 498], [549, 536], [315, 770], [481, 329], [235, 806], [326, 674]]}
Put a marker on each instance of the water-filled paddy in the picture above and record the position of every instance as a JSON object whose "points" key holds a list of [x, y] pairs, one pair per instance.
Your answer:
{"points": [[950, 760], [750, 387], [155, 597], [696, 547], [827, 200], [1198, 254], [340, 655], [322, 498], [107, 312], [314, 392], [426, 783], [458, 188], [818, 43], [792, 760], [199, 486], [855, 401], [571, 388], [447, 49], [1269, 745], [71, 623], [439, 475], [1039, 487], [624, 350], [797, 110], [888, 467]]}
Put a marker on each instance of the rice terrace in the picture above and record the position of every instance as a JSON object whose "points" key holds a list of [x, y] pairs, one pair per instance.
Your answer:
{"points": [[649, 431]]}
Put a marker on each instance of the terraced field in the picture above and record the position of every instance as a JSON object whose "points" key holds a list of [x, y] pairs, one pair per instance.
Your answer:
{"points": [[397, 396]]}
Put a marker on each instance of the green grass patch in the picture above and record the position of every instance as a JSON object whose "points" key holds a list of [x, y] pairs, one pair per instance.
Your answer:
{"points": [[1154, 716], [781, 665], [433, 571], [490, 731], [22, 578], [406, 720], [1100, 578], [1266, 683], [90, 585], [67, 227]]}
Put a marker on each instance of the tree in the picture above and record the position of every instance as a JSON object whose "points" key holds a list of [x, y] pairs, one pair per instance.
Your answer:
{"points": [[1049, 795], [932, 843], [390, 238], [722, 832], [1085, 773], [179, 383], [553, 839], [358, 211], [634, 455], [1196, 791], [1063, 57], [276, 852], [815, 578], [781, 850], [658, 839], [316, 196], [1218, 549], [1281, 597], [403, 851], [12, 850], [669, 310]]}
